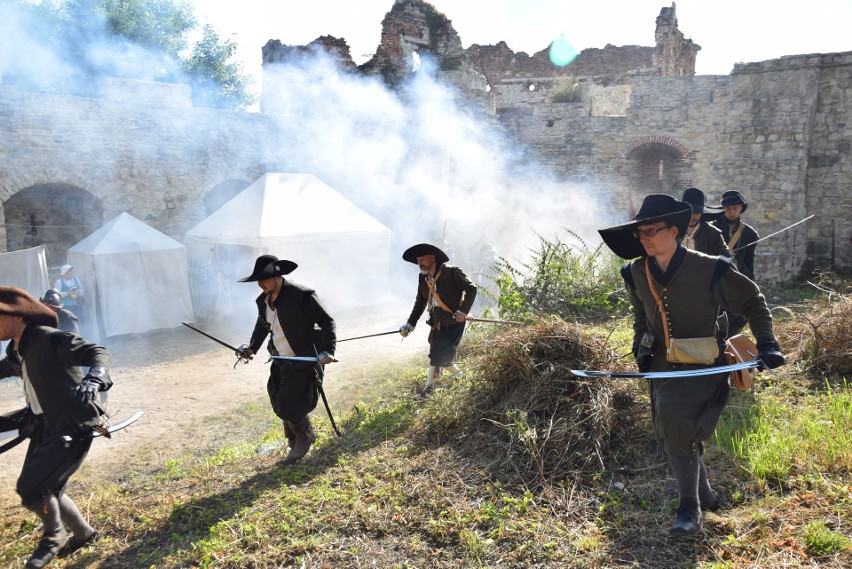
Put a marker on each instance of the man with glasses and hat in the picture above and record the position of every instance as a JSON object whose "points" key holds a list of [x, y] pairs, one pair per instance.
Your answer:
{"points": [[448, 295], [298, 325], [739, 236], [675, 295], [62, 406], [701, 236]]}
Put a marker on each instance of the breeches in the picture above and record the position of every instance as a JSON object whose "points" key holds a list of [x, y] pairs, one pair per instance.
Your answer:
{"points": [[687, 409], [445, 342], [292, 390], [49, 463]]}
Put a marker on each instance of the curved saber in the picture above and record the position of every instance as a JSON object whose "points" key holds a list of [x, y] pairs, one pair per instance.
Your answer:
{"points": [[670, 374], [772, 234]]}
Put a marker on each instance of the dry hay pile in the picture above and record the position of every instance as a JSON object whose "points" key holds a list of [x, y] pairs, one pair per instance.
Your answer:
{"points": [[818, 336], [520, 410]]}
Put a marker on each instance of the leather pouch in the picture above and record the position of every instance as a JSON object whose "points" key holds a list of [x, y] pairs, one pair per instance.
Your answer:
{"points": [[693, 350]]}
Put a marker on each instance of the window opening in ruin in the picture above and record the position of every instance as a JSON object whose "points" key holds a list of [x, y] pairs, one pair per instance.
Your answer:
{"points": [[415, 61], [661, 170]]}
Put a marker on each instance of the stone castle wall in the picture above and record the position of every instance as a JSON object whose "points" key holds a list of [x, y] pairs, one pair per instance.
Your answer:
{"points": [[155, 162], [778, 131]]}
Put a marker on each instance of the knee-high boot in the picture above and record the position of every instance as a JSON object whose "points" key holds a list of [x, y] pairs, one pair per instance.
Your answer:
{"points": [[54, 536], [684, 460], [304, 437]]}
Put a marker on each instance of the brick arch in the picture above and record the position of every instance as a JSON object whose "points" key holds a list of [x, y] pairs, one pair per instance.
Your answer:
{"points": [[674, 144]]}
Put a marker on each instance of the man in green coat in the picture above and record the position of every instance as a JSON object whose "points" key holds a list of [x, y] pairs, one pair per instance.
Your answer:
{"points": [[675, 296], [448, 294]]}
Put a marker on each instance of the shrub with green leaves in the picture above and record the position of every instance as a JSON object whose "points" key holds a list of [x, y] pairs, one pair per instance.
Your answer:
{"points": [[569, 280], [566, 92]]}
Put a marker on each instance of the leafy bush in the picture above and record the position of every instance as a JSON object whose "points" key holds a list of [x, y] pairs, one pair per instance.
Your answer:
{"points": [[569, 281], [566, 93]]}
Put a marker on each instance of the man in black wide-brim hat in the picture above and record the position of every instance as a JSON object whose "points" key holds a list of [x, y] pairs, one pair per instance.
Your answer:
{"points": [[675, 294], [448, 294], [739, 236], [702, 235], [299, 325]]}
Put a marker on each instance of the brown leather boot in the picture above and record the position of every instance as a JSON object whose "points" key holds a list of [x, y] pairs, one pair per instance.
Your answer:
{"points": [[289, 433], [304, 438]]}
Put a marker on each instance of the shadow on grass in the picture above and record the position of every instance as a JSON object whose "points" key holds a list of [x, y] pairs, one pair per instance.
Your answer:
{"points": [[173, 542]]}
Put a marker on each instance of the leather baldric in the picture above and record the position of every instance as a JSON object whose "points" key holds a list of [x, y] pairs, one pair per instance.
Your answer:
{"points": [[430, 282], [735, 237]]}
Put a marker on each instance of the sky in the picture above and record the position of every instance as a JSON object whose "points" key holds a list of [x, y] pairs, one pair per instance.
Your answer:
{"points": [[728, 31]]}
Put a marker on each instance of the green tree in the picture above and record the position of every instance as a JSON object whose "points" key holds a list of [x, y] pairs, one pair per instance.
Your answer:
{"points": [[66, 45], [216, 80]]}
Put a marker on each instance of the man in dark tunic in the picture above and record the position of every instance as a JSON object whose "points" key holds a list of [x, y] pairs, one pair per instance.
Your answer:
{"points": [[60, 401], [67, 319], [448, 294], [740, 238], [675, 295], [701, 236], [298, 325]]}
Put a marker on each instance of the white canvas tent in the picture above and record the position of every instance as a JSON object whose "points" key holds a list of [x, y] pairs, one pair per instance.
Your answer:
{"points": [[342, 252], [25, 269], [135, 278]]}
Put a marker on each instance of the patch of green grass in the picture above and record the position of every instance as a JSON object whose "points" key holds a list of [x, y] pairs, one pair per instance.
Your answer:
{"points": [[821, 541], [774, 437]]}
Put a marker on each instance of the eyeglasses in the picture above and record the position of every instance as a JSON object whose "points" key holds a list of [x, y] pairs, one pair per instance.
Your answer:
{"points": [[639, 233]]}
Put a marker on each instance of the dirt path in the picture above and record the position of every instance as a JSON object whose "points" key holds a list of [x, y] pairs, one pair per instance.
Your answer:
{"points": [[176, 376]]}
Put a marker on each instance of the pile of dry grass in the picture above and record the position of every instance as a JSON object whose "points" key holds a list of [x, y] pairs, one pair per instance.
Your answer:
{"points": [[521, 410], [817, 337]]}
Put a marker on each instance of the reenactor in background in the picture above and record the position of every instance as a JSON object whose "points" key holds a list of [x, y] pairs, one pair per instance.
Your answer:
{"points": [[740, 238], [448, 295], [67, 319], [701, 235]]}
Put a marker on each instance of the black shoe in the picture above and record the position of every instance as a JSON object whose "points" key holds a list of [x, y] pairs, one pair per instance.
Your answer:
{"points": [[48, 547], [427, 392], [74, 544], [712, 506], [687, 522]]}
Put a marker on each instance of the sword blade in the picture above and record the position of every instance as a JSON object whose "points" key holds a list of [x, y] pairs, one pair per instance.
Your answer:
{"points": [[490, 321], [214, 338], [295, 358], [772, 234], [668, 374], [110, 429], [369, 336]]}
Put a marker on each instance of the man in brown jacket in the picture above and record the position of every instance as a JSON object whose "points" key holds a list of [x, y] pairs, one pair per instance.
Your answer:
{"points": [[675, 295], [448, 294]]}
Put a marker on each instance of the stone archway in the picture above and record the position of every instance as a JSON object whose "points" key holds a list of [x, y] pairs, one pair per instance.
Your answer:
{"points": [[661, 164], [55, 215]]}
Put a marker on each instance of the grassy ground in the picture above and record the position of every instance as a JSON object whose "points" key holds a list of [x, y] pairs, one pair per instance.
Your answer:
{"points": [[397, 491]]}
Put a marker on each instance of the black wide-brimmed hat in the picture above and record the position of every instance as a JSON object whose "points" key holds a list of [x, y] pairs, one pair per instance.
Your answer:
{"points": [[422, 249], [733, 197], [695, 198], [655, 208], [268, 266], [17, 302]]}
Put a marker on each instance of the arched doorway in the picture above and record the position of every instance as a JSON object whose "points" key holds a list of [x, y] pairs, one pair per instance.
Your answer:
{"points": [[55, 215], [659, 164]]}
